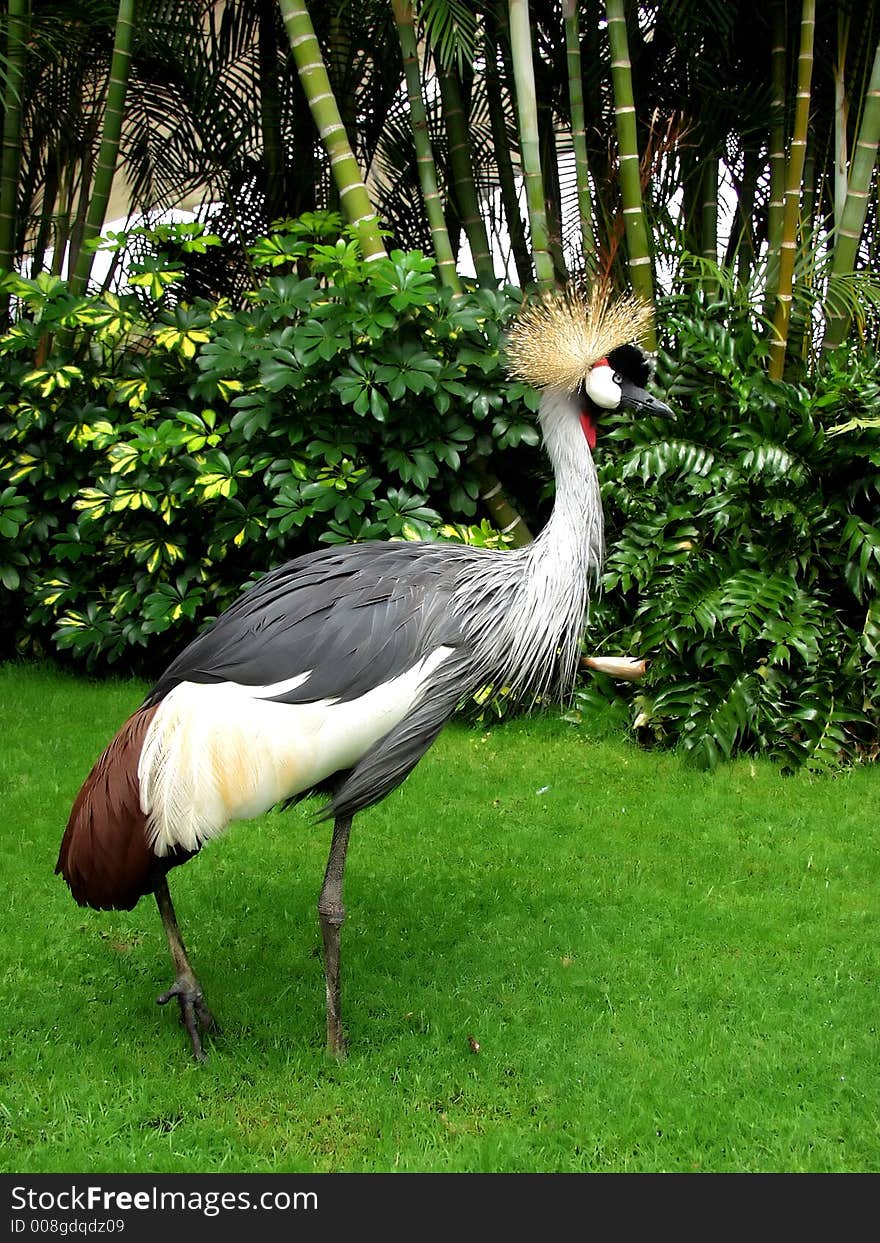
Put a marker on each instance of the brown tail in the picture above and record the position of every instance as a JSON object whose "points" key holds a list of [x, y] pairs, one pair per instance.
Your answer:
{"points": [[104, 855]]}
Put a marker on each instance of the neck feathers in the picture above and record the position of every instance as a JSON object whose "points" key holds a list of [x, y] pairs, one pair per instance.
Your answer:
{"points": [[525, 608], [576, 524], [566, 558]]}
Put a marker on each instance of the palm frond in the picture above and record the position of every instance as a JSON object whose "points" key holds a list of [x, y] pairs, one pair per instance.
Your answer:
{"points": [[449, 28]]}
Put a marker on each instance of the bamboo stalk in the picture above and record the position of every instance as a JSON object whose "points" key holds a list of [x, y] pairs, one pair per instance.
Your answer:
{"points": [[624, 668], [636, 231], [799, 337], [353, 196], [403, 16], [855, 208], [18, 21], [527, 115], [47, 212], [742, 242], [458, 134], [776, 206], [552, 191], [62, 218], [709, 219], [709, 210], [270, 111], [841, 117], [86, 173], [507, 519], [690, 179], [794, 175], [579, 133], [504, 163], [108, 152]]}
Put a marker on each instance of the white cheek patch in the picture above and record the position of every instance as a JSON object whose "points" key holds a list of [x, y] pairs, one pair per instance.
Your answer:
{"points": [[601, 387]]}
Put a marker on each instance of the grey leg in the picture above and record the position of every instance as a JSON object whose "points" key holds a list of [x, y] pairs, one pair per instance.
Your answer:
{"points": [[194, 1014], [331, 914]]}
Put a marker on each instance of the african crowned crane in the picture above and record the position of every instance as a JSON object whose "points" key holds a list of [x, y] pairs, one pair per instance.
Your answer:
{"points": [[337, 671]]}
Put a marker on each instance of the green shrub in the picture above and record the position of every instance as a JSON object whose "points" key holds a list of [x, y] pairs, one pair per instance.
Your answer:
{"points": [[744, 555], [160, 454]]}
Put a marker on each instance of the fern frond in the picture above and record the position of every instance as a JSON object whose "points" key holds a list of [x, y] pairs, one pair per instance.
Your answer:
{"points": [[862, 564], [774, 461], [711, 737], [870, 636], [668, 456]]}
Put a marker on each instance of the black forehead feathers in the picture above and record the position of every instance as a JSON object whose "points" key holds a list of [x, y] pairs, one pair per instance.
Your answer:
{"points": [[633, 363]]}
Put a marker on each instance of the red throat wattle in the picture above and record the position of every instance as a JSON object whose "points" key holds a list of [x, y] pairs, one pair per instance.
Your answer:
{"points": [[588, 423]]}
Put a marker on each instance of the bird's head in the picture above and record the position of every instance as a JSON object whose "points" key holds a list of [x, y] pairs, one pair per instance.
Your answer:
{"points": [[618, 382], [584, 350]]}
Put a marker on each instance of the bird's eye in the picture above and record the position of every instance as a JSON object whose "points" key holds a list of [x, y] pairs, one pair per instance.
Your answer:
{"points": [[617, 377]]}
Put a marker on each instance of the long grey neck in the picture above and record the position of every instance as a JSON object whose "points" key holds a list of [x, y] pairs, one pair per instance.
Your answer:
{"points": [[526, 607], [566, 558], [575, 530]]}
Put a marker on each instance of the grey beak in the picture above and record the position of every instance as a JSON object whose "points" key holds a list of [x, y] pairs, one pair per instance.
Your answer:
{"points": [[640, 399]]}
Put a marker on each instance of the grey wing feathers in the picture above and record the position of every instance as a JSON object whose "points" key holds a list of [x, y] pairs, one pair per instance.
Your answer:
{"points": [[352, 618], [394, 757]]}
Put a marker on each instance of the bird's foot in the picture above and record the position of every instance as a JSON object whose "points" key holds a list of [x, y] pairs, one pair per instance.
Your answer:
{"points": [[194, 1013]]}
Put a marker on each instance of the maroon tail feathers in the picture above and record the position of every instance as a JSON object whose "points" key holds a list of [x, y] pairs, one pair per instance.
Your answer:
{"points": [[104, 856]]}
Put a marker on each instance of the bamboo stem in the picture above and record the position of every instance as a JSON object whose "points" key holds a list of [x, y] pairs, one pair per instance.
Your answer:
{"points": [[403, 16], [841, 117], [353, 196], [776, 207], [855, 209], [458, 134], [18, 21], [501, 146], [635, 227], [108, 152], [709, 219], [527, 114], [503, 515], [624, 668], [794, 176], [579, 133]]}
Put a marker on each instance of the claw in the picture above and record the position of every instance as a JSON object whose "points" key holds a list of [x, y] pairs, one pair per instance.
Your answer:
{"points": [[194, 1013], [186, 988]]}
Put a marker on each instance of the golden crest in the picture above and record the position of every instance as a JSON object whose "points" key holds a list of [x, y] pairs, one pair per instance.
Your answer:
{"points": [[557, 339]]}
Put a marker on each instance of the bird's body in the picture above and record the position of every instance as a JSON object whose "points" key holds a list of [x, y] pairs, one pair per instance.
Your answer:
{"points": [[336, 672], [342, 664]]}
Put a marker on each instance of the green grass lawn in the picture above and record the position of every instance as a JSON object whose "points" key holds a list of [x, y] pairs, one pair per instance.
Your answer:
{"points": [[663, 969]]}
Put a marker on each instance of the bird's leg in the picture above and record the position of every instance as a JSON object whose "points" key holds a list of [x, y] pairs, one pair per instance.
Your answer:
{"points": [[194, 1014], [331, 914]]}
